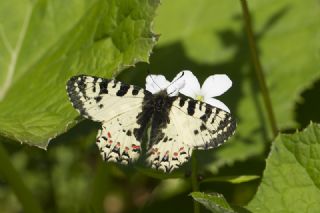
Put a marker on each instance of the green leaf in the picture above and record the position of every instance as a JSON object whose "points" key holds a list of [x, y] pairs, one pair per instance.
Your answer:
{"points": [[211, 39], [169, 188], [232, 179], [214, 202], [46, 42], [291, 181]]}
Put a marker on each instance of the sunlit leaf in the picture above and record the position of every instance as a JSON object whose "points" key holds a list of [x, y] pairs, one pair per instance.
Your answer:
{"points": [[291, 181], [46, 42], [214, 202]]}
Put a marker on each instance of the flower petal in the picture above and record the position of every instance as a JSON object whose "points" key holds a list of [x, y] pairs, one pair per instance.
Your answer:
{"points": [[156, 83], [216, 85], [176, 85], [191, 84], [216, 103]]}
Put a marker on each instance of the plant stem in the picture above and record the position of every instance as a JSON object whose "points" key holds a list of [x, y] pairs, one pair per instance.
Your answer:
{"points": [[194, 181], [258, 67], [24, 195]]}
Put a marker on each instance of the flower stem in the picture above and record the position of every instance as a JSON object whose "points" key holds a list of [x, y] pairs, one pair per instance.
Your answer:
{"points": [[258, 67], [194, 181], [10, 174]]}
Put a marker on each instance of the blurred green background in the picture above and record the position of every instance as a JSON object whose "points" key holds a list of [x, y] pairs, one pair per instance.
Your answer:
{"points": [[207, 37]]}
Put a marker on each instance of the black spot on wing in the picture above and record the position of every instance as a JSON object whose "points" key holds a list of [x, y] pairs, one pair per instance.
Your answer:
{"points": [[98, 99], [204, 117], [207, 113], [104, 86], [135, 90], [182, 101], [215, 115], [191, 106], [123, 89], [200, 105], [203, 127], [94, 85], [208, 109]]}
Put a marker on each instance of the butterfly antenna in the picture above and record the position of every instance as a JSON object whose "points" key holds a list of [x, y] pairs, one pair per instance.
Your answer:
{"points": [[149, 74], [182, 74]]}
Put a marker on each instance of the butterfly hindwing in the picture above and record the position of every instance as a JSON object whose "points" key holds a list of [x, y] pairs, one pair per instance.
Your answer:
{"points": [[117, 106], [116, 139], [192, 125]]}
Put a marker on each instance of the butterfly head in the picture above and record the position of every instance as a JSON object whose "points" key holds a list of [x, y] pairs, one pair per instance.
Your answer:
{"points": [[158, 83], [162, 100]]}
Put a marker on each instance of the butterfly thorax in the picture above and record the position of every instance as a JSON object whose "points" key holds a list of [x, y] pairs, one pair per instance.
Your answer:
{"points": [[162, 102]]}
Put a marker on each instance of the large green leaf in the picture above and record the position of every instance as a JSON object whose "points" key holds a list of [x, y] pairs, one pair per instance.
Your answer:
{"points": [[214, 202], [208, 37], [291, 180], [43, 43]]}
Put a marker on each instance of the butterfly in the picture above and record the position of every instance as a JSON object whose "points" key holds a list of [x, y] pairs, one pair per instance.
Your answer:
{"points": [[178, 124]]}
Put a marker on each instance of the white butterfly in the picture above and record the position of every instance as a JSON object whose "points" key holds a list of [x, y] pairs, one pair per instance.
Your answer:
{"points": [[179, 124]]}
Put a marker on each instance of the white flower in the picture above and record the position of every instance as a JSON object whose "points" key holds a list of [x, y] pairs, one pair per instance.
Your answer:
{"points": [[156, 83], [186, 83], [213, 86]]}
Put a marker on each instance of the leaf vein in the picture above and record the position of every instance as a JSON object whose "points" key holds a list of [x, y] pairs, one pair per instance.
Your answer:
{"points": [[15, 53]]}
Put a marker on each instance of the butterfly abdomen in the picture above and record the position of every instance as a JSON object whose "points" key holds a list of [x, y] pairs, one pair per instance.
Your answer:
{"points": [[162, 106]]}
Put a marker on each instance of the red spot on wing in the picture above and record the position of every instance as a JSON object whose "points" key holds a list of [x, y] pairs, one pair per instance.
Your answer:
{"points": [[109, 135], [175, 154], [110, 141], [135, 147]]}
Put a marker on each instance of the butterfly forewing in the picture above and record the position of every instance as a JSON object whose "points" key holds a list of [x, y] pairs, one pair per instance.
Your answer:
{"points": [[117, 106], [102, 99]]}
